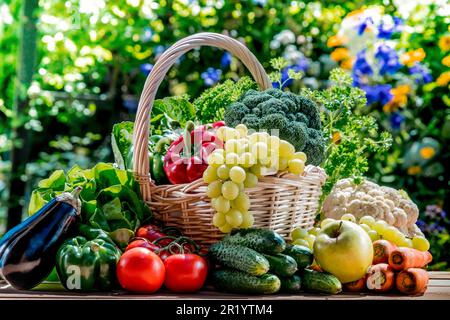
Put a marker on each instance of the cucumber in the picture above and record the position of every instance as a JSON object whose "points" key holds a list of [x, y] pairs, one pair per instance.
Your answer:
{"points": [[261, 240], [240, 282], [239, 257], [302, 255], [281, 264], [291, 284], [320, 282]]}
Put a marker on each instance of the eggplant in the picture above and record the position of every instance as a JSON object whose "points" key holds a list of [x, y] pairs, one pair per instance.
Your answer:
{"points": [[28, 251]]}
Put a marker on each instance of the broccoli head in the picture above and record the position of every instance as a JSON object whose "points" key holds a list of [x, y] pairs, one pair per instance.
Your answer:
{"points": [[296, 118]]}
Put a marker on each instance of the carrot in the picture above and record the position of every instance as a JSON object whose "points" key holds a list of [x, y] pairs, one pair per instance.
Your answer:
{"points": [[356, 286], [413, 281], [380, 278], [405, 258], [382, 249]]}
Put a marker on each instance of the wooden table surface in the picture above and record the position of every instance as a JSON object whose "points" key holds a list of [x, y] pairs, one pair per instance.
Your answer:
{"points": [[438, 289]]}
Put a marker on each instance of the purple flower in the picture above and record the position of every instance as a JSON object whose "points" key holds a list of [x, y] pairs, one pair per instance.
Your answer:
{"points": [[225, 61], [396, 120], [386, 31], [388, 59], [421, 224], [424, 75], [146, 68], [361, 66], [211, 76], [377, 93]]}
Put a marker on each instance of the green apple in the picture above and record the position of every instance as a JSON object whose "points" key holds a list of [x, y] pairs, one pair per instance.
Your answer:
{"points": [[344, 249]]}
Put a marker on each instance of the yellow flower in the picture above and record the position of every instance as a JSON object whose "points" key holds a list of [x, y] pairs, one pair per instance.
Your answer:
{"points": [[336, 41], [412, 56], [399, 98], [443, 79], [340, 54], [444, 43], [446, 61], [427, 152], [355, 13], [336, 138], [412, 171], [347, 64]]}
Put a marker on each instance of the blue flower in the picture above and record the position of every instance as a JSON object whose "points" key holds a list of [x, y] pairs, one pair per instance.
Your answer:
{"points": [[226, 60], [386, 31], [377, 93], [421, 224], [424, 75], [361, 66], [286, 81], [364, 24], [146, 68], [396, 120], [211, 76], [388, 59]]}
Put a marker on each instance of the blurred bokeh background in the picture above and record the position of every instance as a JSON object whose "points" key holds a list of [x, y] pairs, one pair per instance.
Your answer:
{"points": [[83, 64]]}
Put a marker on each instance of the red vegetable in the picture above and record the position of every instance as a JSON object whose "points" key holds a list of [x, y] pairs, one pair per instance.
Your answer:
{"points": [[185, 272], [142, 243], [185, 160], [153, 232], [140, 270]]}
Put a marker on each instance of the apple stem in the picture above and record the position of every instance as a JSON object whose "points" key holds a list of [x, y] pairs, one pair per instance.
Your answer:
{"points": [[338, 231]]}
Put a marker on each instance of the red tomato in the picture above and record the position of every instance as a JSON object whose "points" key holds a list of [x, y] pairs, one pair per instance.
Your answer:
{"points": [[185, 272], [140, 270]]}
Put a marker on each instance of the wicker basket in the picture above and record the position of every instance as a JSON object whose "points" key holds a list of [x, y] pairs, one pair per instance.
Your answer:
{"points": [[280, 203]]}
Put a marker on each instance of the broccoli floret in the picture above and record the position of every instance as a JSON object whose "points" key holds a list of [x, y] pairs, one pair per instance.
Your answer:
{"points": [[296, 117], [315, 147]]}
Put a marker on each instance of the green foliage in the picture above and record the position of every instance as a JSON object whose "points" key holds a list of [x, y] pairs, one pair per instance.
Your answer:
{"points": [[350, 135]]}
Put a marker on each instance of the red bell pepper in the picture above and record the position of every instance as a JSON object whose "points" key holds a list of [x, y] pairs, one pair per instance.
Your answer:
{"points": [[185, 160]]}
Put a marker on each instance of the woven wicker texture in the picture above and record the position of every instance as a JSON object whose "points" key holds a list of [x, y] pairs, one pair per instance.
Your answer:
{"points": [[280, 203]]}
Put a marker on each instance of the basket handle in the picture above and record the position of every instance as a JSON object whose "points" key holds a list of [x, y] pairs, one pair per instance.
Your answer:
{"points": [[156, 76]]}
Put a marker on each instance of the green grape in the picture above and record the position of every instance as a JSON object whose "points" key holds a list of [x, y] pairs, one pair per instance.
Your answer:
{"points": [[348, 217], [365, 227], [230, 133], [325, 222], [247, 160], [215, 159], [256, 170], [230, 190], [373, 235], [243, 145], [310, 238], [232, 159], [234, 218], [296, 166], [274, 145], [220, 133], [251, 180], [299, 233], [408, 243], [247, 220], [301, 242], [242, 202], [225, 228], [390, 234], [234, 146], [214, 189], [420, 243], [259, 150], [287, 150], [221, 204], [241, 187], [299, 155], [368, 220], [223, 172], [401, 241], [210, 175], [219, 219], [282, 163], [256, 137], [314, 231], [237, 174], [379, 226], [242, 129]]}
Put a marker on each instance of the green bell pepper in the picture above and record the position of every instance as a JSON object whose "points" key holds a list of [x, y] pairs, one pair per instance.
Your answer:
{"points": [[87, 265], [157, 161]]}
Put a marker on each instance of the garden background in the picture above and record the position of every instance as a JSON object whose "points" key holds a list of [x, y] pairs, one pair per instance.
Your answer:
{"points": [[83, 64]]}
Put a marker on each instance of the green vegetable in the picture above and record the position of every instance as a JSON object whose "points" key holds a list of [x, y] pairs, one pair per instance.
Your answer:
{"points": [[320, 282], [261, 240], [291, 284], [84, 265], [210, 105], [122, 142], [110, 199], [157, 162], [302, 255], [296, 118], [281, 264], [240, 282], [239, 257]]}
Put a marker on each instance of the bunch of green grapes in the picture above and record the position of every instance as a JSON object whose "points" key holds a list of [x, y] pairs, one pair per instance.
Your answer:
{"points": [[304, 237], [238, 166], [380, 229]]}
